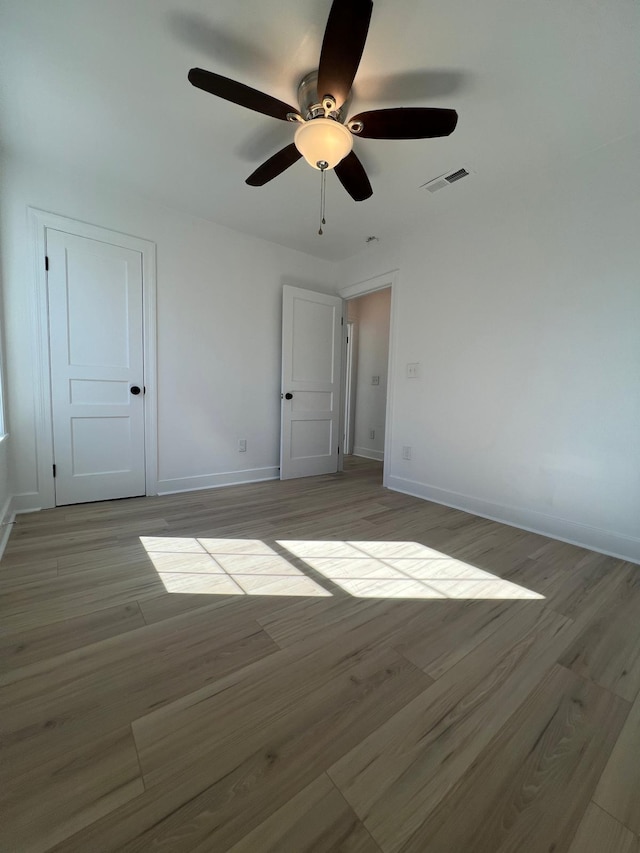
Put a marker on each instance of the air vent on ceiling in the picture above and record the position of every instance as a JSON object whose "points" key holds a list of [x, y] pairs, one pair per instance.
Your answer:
{"points": [[455, 176], [444, 180]]}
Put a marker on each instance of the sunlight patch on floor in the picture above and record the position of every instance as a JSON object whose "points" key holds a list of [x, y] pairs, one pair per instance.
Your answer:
{"points": [[401, 570], [384, 569], [226, 567]]}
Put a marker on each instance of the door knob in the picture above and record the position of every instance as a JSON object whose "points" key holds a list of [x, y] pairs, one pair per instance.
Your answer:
{"points": [[135, 389], [288, 396]]}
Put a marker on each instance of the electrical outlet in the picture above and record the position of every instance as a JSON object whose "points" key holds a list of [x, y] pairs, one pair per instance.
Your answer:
{"points": [[242, 445], [372, 433], [412, 370], [375, 380], [406, 452]]}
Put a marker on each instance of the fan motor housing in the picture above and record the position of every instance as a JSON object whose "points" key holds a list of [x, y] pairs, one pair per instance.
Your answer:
{"points": [[310, 101]]}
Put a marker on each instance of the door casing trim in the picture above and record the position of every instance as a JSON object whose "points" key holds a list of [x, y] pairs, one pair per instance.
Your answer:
{"points": [[370, 285], [38, 222]]}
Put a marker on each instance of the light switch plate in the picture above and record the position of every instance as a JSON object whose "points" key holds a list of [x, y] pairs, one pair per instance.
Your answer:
{"points": [[412, 370]]}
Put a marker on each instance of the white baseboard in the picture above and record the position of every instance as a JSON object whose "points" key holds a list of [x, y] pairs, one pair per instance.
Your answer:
{"points": [[584, 535], [31, 501], [378, 455], [216, 481], [28, 502]]}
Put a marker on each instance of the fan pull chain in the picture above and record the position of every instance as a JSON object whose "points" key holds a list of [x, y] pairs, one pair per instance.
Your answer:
{"points": [[323, 192]]}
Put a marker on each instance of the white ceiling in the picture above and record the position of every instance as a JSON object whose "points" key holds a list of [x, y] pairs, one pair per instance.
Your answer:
{"points": [[101, 85]]}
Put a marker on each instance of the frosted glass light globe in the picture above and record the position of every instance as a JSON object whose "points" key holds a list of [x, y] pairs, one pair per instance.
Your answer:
{"points": [[323, 140]]}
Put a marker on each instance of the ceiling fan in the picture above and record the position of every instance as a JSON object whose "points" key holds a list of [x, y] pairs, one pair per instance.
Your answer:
{"points": [[324, 136]]}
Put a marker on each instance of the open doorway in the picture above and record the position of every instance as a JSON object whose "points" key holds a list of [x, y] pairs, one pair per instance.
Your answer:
{"points": [[366, 375]]}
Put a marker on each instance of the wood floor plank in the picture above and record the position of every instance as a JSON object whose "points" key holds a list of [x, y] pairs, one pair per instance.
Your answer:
{"points": [[166, 605], [59, 795], [90, 584], [532, 784], [106, 560], [455, 631], [45, 604], [23, 544], [342, 615], [47, 641], [608, 653], [608, 649], [600, 833], [618, 791], [399, 774], [12, 574], [575, 582], [34, 529], [317, 820]]}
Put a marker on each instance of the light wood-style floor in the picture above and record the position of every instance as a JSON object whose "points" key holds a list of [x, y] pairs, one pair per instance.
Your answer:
{"points": [[315, 665]]}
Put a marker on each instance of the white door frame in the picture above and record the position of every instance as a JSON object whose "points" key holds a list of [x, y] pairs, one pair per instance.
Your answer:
{"points": [[347, 391], [370, 285], [39, 221]]}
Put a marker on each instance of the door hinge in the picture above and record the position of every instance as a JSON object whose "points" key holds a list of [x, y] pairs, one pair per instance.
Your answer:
{"points": [[338, 450], [54, 470], [342, 321], [46, 263]]}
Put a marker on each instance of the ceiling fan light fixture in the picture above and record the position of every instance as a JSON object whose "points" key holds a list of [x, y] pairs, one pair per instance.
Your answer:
{"points": [[323, 140], [324, 136]]}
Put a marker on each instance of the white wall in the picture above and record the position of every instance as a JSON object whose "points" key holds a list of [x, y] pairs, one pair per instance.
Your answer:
{"points": [[523, 311], [219, 315], [371, 313]]}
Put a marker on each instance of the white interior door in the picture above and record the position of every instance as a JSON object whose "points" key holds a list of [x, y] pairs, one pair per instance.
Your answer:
{"points": [[311, 348], [96, 345]]}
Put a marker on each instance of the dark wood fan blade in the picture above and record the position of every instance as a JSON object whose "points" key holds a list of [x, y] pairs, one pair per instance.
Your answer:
{"points": [[240, 94], [342, 46], [406, 123], [274, 166], [353, 178]]}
